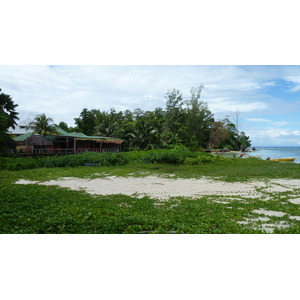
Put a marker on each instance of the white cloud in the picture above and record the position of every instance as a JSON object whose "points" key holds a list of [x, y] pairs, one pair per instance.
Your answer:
{"points": [[295, 88], [227, 105], [269, 83], [257, 120], [274, 137], [280, 123], [63, 91]]}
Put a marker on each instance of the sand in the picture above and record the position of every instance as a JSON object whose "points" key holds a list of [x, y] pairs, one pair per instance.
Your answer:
{"points": [[164, 188]]}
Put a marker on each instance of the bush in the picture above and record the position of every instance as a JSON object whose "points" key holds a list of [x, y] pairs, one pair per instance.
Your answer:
{"points": [[108, 159], [16, 164], [101, 159], [105, 159], [168, 156], [201, 159], [163, 156]]}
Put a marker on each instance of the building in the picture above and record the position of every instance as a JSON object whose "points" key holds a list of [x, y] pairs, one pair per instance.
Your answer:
{"points": [[20, 128], [60, 143]]}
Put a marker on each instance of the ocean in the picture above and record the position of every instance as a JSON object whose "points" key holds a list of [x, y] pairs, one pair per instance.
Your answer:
{"points": [[275, 152]]}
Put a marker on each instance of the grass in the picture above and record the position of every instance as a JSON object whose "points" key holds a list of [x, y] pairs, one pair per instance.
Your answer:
{"points": [[50, 209], [38, 209]]}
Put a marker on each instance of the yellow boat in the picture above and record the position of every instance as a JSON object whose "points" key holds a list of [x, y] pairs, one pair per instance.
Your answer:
{"points": [[282, 159]]}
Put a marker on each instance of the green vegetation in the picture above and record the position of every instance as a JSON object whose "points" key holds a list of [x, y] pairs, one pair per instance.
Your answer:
{"points": [[182, 163], [8, 117], [183, 123], [42, 125], [36, 208], [186, 123]]}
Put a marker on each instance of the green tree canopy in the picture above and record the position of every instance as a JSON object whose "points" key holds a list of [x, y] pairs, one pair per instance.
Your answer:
{"points": [[86, 122], [188, 123], [42, 125]]}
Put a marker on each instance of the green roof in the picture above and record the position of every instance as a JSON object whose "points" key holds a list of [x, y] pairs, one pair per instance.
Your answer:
{"points": [[23, 137], [61, 132]]}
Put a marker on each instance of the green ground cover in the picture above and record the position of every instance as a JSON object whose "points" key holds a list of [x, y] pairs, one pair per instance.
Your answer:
{"points": [[49, 209]]}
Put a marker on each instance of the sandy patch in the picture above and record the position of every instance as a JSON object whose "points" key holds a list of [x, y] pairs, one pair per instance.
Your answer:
{"points": [[295, 200], [294, 183], [270, 227], [155, 187], [23, 181], [269, 212], [283, 185], [164, 188]]}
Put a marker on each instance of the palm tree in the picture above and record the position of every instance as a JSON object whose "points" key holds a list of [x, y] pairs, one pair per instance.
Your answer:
{"points": [[107, 128], [8, 117], [42, 125], [143, 135], [7, 110]]}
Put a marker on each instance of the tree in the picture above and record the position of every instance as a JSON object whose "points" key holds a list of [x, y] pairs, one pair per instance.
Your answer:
{"points": [[42, 125], [107, 127], [236, 119], [8, 117], [244, 140], [173, 115], [109, 123], [174, 111], [64, 126], [86, 121], [218, 134], [3, 132], [7, 110], [235, 140], [143, 135], [199, 120]]}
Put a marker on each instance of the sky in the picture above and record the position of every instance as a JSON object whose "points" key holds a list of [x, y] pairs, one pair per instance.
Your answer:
{"points": [[265, 98]]}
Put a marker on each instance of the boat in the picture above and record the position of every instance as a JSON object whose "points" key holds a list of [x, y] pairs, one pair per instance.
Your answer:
{"points": [[281, 159], [255, 156], [245, 155]]}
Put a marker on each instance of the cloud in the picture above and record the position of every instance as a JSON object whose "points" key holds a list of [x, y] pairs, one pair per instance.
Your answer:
{"points": [[274, 137], [257, 120], [62, 91], [229, 105], [295, 88], [269, 83], [291, 75], [280, 123]]}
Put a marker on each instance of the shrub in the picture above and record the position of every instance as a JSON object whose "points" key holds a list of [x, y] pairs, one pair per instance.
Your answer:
{"points": [[16, 164], [200, 159], [168, 156], [107, 159], [101, 159]]}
